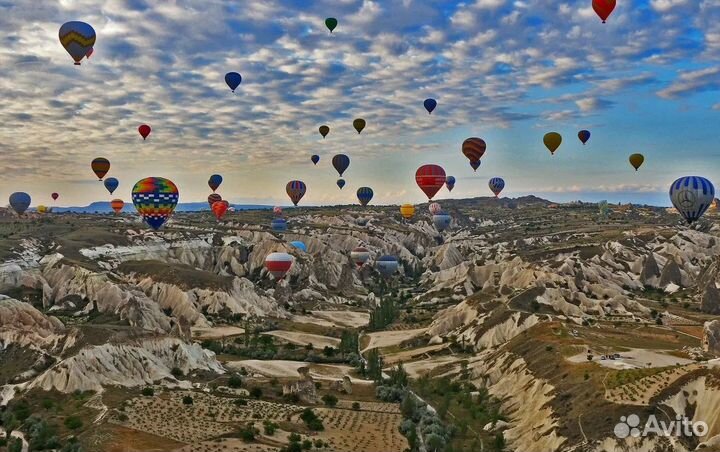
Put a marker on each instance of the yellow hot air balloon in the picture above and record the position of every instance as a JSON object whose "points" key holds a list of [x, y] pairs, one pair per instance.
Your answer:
{"points": [[636, 160], [552, 141], [407, 211], [42, 209]]}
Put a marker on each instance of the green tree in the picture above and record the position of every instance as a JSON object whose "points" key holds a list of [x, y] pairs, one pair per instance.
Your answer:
{"points": [[330, 400], [374, 365], [73, 422], [187, 400]]}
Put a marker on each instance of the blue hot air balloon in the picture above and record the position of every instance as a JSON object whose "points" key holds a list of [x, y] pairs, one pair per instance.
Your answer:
{"points": [[299, 245], [441, 221], [584, 136], [20, 201], [111, 184], [340, 183], [430, 105], [214, 182], [279, 225], [450, 182], [364, 194], [691, 196], [315, 159], [233, 80], [341, 162], [496, 185], [78, 38], [387, 265]]}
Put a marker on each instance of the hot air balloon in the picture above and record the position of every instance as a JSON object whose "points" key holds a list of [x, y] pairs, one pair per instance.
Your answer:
{"points": [[430, 105], [299, 245], [340, 162], [214, 182], [407, 211], [155, 199], [552, 141], [213, 198], [387, 265], [434, 208], [19, 201], [100, 167], [361, 221], [636, 160], [331, 23], [364, 195], [603, 8], [278, 264], [296, 190], [89, 53], [278, 225], [78, 38], [496, 185], [475, 165], [430, 179], [144, 130], [233, 80], [111, 184], [360, 255], [277, 210], [315, 159], [55, 196], [219, 208], [474, 148], [359, 124], [441, 220], [584, 136], [691, 196], [450, 182], [340, 183], [324, 130], [42, 209], [117, 205]]}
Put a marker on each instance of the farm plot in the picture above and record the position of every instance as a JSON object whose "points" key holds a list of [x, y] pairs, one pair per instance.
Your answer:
{"points": [[367, 431]]}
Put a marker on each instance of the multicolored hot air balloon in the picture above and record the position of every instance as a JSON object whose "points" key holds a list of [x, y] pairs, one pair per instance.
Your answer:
{"points": [[584, 136], [636, 160], [340, 183], [441, 220], [233, 80], [407, 211], [430, 179], [20, 201], [55, 196], [359, 124], [475, 165], [155, 199], [331, 23], [603, 8], [496, 185], [144, 130], [474, 148], [324, 130], [278, 264], [387, 265], [213, 198], [278, 225], [214, 182], [340, 162], [78, 38], [691, 196], [277, 210], [430, 105], [219, 208], [450, 182], [315, 159], [552, 141], [434, 208], [111, 184], [117, 205], [100, 167], [360, 255], [364, 195], [296, 190]]}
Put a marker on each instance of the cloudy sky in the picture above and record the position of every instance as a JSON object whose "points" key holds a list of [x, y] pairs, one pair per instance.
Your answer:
{"points": [[508, 71]]}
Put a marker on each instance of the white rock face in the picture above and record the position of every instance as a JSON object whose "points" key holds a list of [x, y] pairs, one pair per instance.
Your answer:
{"points": [[23, 325]]}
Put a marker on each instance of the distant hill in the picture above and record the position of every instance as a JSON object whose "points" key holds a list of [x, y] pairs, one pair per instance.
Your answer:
{"points": [[104, 207]]}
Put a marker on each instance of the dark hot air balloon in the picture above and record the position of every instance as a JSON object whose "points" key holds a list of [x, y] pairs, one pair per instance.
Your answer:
{"points": [[315, 159], [359, 124], [430, 105], [233, 80], [20, 201], [496, 185], [340, 183], [364, 195], [603, 8], [144, 130], [213, 198], [100, 167], [636, 160], [341, 162], [552, 141], [324, 130], [331, 23], [584, 136], [111, 184], [214, 182], [296, 190], [55, 196], [450, 182]]}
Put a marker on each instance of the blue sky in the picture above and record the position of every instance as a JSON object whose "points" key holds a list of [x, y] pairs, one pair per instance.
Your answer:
{"points": [[508, 71]]}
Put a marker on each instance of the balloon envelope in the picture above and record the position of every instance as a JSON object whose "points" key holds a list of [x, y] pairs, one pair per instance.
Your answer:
{"points": [[324, 130], [407, 211], [331, 23], [552, 141], [340, 183], [155, 199], [278, 264], [117, 205], [691, 196], [430, 105], [299, 245], [219, 208], [20, 201], [111, 184], [430, 179], [584, 136], [364, 195], [277, 210], [341, 162], [278, 225], [636, 160], [387, 265], [475, 165], [474, 148], [144, 130], [603, 8], [78, 38], [215, 181], [496, 185], [441, 221], [450, 182], [55, 196], [359, 124], [434, 208], [233, 80], [315, 159], [360, 255], [296, 190], [213, 198], [100, 167]]}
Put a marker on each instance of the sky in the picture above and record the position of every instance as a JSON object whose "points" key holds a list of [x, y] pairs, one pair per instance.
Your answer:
{"points": [[507, 71]]}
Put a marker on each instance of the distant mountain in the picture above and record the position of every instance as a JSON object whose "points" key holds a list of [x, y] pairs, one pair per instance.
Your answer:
{"points": [[104, 207]]}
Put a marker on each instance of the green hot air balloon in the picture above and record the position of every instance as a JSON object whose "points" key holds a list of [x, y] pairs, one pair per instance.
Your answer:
{"points": [[331, 23]]}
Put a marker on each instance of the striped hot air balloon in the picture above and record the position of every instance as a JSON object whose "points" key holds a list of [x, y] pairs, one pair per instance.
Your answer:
{"points": [[474, 148], [364, 195], [296, 190], [691, 196], [387, 265], [430, 179], [277, 210], [496, 185], [213, 198], [278, 264], [340, 162], [434, 208], [100, 167], [360, 255], [78, 39], [155, 199]]}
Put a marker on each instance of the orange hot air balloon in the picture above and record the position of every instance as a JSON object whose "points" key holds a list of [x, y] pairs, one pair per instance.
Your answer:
{"points": [[117, 205], [407, 211], [603, 8], [219, 208]]}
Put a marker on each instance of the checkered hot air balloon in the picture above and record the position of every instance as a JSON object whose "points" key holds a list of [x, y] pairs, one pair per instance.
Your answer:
{"points": [[155, 199]]}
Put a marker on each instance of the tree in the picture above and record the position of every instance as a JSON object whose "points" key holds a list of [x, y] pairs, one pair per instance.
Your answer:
{"points": [[330, 400], [148, 391], [187, 400], [177, 372], [311, 420], [73, 422], [374, 365], [256, 393], [398, 376], [434, 442], [235, 381], [499, 442], [356, 406]]}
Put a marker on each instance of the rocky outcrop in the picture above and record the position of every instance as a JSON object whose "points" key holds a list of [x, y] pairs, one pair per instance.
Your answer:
{"points": [[23, 325], [650, 271], [711, 337], [671, 274], [710, 300]]}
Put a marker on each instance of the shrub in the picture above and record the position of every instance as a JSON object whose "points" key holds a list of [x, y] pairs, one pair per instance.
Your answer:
{"points": [[330, 400], [73, 422], [311, 420], [356, 406], [256, 393], [235, 381], [176, 372], [148, 391], [187, 400]]}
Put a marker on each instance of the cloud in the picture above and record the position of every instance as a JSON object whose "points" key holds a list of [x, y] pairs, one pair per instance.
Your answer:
{"points": [[592, 104], [690, 82], [618, 188]]}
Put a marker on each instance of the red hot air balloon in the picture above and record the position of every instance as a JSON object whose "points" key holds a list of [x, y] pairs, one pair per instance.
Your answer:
{"points": [[55, 196], [603, 8], [277, 210], [212, 199], [219, 208], [144, 130], [430, 179], [278, 264]]}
